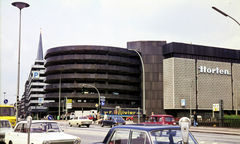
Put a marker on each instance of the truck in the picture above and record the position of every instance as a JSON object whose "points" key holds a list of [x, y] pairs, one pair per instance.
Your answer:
{"points": [[82, 113]]}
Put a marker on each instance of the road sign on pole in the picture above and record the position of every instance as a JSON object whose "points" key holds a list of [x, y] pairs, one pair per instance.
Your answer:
{"points": [[102, 103], [5, 101], [69, 104]]}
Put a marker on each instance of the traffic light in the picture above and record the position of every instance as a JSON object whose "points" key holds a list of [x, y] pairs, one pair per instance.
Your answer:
{"points": [[221, 110], [82, 90], [99, 108]]}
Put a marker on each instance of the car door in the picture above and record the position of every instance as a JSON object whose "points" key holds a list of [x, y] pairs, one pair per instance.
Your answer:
{"points": [[120, 136], [139, 137], [107, 122], [20, 134]]}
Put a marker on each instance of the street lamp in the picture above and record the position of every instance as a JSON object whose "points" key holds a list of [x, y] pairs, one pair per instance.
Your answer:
{"points": [[59, 100], [96, 90], [4, 95], [226, 15], [19, 5], [143, 71]]}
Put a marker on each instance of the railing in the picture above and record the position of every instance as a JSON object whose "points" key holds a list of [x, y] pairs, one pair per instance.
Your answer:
{"points": [[232, 123]]}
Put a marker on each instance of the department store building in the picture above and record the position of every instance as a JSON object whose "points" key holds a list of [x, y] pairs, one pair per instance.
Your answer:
{"points": [[178, 77]]}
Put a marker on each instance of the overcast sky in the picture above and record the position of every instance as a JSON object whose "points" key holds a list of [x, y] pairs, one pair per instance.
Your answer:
{"points": [[108, 23]]}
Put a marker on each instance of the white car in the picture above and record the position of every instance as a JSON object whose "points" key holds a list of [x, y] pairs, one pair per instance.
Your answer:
{"points": [[41, 132], [5, 126], [80, 121]]}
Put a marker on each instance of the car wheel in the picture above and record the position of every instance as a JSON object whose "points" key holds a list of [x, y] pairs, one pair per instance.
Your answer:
{"points": [[10, 142], [102, 125], [111, 126], [88, 126]]}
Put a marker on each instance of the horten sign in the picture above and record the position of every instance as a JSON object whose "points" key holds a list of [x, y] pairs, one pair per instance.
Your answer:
{"points": [[204, 69]]}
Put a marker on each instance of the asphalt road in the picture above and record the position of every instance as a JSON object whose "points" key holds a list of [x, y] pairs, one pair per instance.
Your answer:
{"points": [[96, 133]]}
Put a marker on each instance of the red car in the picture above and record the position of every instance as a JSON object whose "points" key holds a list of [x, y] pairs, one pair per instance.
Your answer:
{"points": [[90, 117], [129, 118], [160, 119]]}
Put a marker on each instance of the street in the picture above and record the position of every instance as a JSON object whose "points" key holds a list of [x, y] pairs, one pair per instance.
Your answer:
{"points": [[96, 133]]}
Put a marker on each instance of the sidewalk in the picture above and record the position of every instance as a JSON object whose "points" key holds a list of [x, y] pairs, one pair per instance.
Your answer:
{"points": [[218, 130]]}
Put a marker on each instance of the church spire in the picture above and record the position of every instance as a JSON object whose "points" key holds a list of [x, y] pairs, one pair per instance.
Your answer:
{"points": [[40, 49]]}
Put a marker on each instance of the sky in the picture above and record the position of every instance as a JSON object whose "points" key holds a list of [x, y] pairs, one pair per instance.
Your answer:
{"points": [[107, 23]]}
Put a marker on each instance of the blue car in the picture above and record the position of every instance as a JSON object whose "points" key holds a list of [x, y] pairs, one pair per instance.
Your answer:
{"points": [[113, 121], [147, 134]]}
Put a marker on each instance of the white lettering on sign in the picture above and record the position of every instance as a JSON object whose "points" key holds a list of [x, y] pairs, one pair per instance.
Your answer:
{"points": [[204, 69]]}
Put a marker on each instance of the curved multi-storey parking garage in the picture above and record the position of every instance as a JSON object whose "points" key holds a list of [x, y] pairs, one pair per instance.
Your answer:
{"points": [[115, 72]]}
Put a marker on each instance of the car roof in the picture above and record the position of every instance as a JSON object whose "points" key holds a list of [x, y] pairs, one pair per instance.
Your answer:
{"points": [[39, 121], [4, 120], [147, 127]]}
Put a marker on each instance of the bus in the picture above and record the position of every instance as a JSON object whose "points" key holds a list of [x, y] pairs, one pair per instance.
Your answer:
{"points": [[7, 113]]}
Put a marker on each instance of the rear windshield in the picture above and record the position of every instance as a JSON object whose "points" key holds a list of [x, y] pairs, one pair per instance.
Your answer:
{"points": [[169, 119], [6, 111]]}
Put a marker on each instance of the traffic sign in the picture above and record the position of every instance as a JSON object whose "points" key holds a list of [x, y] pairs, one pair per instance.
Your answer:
{"points": [[50, 117], [69, 105], [102, 100], [40, 100], [102, 103], [183, 102], [69, 100], [215, 107], [5, 101], [102, 97]]}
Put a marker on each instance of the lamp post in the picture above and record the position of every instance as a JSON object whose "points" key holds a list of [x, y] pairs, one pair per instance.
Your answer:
{"points": [[96, 90], [226, 15], [4, 95], [191, 100], [143, 71], [19, 5], [59, 100]]}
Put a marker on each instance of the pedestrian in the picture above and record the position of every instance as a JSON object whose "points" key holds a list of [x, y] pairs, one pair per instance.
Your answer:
{"points": [[195, 119], [94, 117], [152, 113], [105, 116]]}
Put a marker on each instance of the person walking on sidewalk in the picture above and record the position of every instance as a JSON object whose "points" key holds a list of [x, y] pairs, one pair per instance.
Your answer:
{"points": [[195, 118]]}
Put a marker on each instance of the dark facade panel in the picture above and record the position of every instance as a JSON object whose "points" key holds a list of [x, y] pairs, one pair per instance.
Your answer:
{"points": [[200, 52]]}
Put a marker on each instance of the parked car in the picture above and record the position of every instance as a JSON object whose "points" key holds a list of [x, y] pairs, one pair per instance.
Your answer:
{"points": [[80, 121], [146, 134], [112, 121], [41, 132], [129, 118], [5, 126], [90, 117], [160, 119]]}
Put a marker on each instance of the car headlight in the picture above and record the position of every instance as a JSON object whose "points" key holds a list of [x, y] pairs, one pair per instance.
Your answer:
{"points": [[46, 142], [77, 141]]}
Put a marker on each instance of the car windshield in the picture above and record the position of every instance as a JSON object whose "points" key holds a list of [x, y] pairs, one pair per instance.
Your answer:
{"points": [[168, 137], [6, 111], [169, 119], [44, 127], [118, 118], [5, 124]]}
